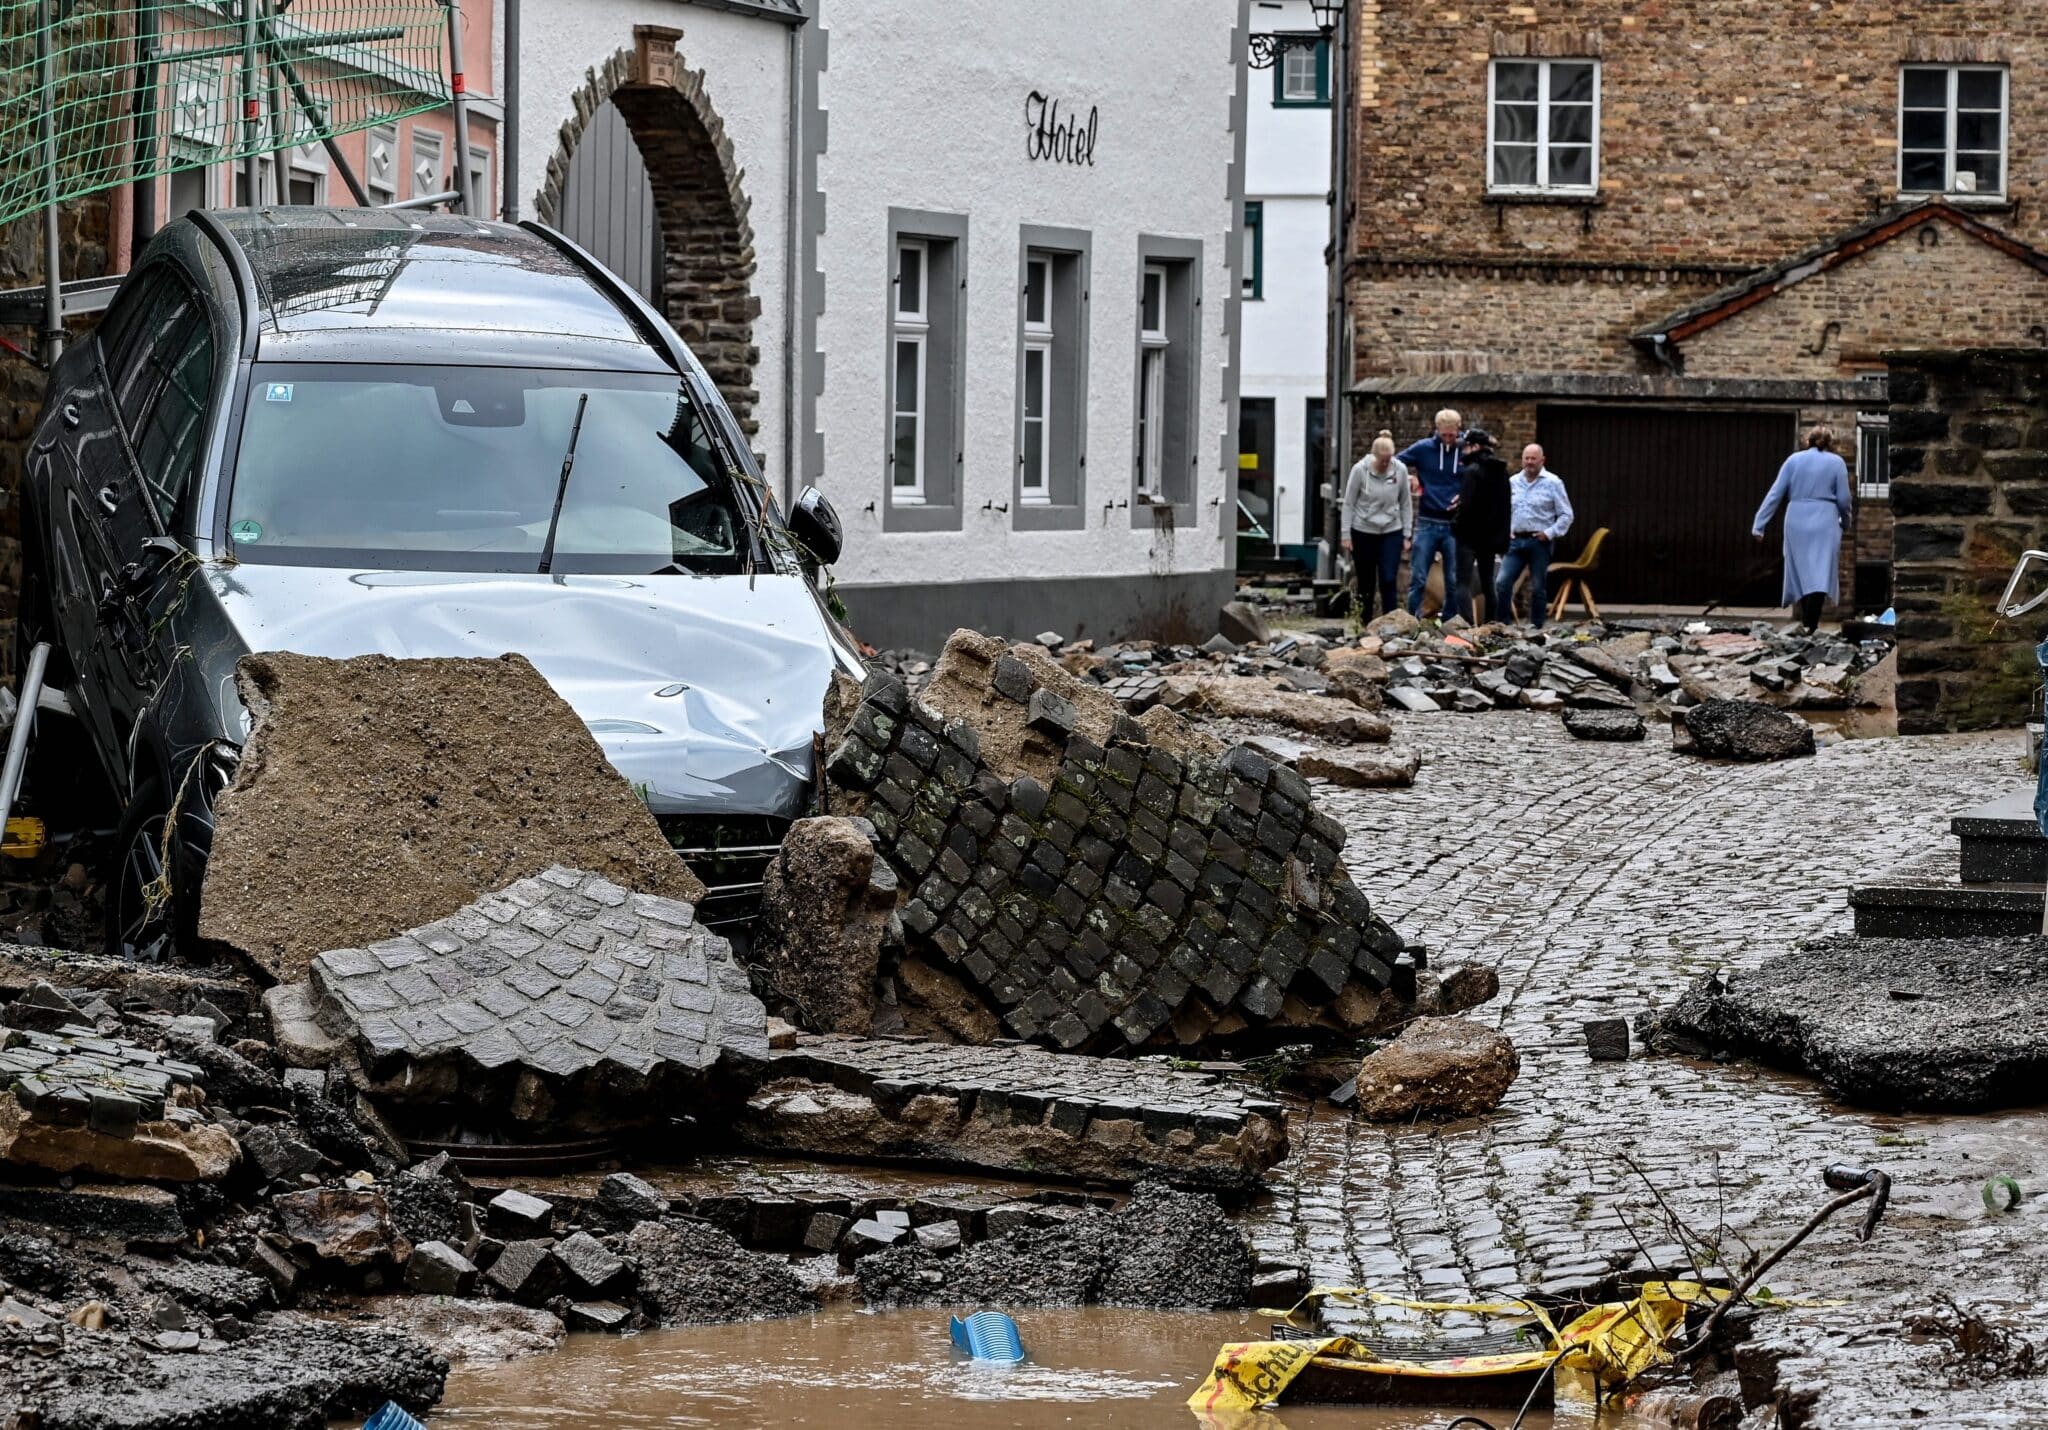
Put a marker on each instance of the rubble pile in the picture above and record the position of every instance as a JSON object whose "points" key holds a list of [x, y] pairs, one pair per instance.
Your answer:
{"points": [[1326, 680], [561, 1003], [1099, 881], [1015, 1109]]}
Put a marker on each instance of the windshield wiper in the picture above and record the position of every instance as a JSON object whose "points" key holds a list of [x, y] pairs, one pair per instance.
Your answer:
{"points": [[547, 551]]}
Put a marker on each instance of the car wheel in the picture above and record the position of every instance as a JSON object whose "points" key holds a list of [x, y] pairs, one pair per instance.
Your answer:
{"points": [[150, 915]]}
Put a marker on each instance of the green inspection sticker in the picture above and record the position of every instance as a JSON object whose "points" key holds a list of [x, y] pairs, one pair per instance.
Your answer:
{"points": [[247, 530]]}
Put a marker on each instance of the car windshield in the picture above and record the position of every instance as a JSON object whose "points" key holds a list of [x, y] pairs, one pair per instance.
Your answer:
{"points": [[457, 468]]}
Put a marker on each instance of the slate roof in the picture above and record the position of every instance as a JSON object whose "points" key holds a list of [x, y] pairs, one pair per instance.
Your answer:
{"points": [[1831, 253]]}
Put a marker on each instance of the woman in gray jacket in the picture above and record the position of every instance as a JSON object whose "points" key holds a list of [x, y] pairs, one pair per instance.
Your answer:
{"points": [[1379, 519]]}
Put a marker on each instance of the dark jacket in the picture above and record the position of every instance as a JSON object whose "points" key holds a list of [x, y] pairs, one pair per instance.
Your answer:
{"points": [[1484, 507], [1436, 467]]}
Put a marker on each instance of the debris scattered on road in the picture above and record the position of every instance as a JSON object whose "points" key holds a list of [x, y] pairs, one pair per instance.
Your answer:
{"points": [[1437, 1068]]}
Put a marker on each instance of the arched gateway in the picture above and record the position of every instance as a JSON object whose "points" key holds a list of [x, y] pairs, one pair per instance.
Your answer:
{"points": [[700, 209]]}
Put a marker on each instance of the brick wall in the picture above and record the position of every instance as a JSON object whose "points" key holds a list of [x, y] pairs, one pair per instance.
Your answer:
{"points": [[1729, 132], [1732, 136], [1969, 494]]}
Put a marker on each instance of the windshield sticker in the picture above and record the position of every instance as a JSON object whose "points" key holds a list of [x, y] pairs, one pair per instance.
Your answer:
{"points": [[278, 392], [247, 531]]}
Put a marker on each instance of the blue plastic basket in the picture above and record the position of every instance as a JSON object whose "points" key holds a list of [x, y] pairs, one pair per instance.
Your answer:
{"points": [[392, 1417], [989, 1336]]}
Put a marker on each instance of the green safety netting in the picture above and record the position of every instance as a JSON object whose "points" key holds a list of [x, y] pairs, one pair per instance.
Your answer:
{"points": [[217, 81]]}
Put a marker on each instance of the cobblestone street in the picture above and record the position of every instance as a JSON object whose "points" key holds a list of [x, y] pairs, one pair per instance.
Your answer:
{"points": [[1599, 880]]}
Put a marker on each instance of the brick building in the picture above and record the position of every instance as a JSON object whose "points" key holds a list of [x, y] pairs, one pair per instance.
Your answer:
{"points": [[1662, 236]]}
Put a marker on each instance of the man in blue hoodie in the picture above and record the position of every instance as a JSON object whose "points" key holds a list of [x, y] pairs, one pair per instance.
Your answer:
{"points": [[1435, 462]]}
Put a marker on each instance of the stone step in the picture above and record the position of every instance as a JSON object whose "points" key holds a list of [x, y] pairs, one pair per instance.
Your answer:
{"points": [[2001, 841], [1912, 905]]}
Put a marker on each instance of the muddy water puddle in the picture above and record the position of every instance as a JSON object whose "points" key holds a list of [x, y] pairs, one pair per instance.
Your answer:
{"points": [[895, 1370]]}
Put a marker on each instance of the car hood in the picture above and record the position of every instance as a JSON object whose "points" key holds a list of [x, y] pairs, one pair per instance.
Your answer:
{"points": [[706, 690]]}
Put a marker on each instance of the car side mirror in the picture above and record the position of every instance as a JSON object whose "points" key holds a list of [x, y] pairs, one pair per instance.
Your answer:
{"points": [[816, 528]]}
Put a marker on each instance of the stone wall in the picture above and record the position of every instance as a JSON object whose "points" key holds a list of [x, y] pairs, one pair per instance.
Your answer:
{"points": [[83, 228], [1969, 494]]}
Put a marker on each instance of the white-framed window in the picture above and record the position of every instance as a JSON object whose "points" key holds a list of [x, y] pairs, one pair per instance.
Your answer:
{"points": [[426, 172], [1543, 127], [1303, 76], [1036, 458], [1874, 456], [1952, 128], [380, 166], [1152, 343], [911, 403]]}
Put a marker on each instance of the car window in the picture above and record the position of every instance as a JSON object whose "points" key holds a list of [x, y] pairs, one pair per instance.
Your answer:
{"points": [[124, 321], [168, 444], [147, 348], [430, 468]]}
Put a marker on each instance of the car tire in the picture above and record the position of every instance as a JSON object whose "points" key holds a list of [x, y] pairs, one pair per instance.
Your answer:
{"points": [[146, 916]]}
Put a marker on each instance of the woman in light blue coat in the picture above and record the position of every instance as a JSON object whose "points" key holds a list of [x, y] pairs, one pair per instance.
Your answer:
{"points": [[1813, 487]]}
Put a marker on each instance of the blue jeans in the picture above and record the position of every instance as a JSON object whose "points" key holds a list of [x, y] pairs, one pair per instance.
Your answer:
{"points": [[1524, 552], [1433, 538]]}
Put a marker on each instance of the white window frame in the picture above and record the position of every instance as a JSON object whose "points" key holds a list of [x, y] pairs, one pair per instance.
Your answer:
{"points": [[478, 192], [1542, 184], [1948, 177], [911, 326], [1316, 93], [1153, 343], [1871, 425], [1035, 487]]}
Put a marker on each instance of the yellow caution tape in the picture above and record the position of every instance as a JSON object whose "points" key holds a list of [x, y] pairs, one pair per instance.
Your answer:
{"points": [[1605, 1346], [25, 838]]}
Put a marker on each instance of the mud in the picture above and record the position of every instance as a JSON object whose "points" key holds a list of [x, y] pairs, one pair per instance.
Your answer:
{"points": [[376, 795], [291, 1375], [1087, 1367]]}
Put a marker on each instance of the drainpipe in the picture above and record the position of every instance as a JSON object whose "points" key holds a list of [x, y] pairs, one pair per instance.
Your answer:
{"points": [[1336, 414], [792, 255], [508, 151]]}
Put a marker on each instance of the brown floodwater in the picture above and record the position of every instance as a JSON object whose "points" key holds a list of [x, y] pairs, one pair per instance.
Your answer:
{"points": [[897, 1370]]}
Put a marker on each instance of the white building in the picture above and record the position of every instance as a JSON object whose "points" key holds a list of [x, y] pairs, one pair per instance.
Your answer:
{"points": [[965, 267], [1287, 231]]}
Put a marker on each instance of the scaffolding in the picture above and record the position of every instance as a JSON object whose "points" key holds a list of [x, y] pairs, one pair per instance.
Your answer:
{"points": [[95, 94]]}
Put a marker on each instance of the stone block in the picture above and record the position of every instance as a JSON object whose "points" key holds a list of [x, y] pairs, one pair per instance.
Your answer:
{"points": [[1607, 1039], [625, 1200], [514, 1214], [526, 1271], [438, 1269], [588, 1263]]}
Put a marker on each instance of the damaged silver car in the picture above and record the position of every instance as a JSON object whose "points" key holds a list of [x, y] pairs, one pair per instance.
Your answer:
{"points": [[343, 432]]}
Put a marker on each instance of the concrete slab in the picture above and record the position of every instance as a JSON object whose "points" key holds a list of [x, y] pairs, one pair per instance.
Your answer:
{"points": [[382, 794]]}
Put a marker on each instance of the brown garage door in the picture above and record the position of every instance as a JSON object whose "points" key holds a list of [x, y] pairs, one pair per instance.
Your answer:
{"points": [[1676, 489]]}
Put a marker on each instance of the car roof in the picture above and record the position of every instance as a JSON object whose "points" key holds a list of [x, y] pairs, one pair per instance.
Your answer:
{"points": [[385, 285]]}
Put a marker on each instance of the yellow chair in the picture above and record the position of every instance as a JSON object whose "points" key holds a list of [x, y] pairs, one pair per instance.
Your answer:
{"points": [[1566, 574]]}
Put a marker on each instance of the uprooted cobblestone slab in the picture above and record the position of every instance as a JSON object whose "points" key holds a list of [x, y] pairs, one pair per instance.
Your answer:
{"points": [[72, 1101], [291, 1375], [375, 795], [1162, 1249], [561, 1001], [1015, 1109], [1927, 1024], [1124, 895]]}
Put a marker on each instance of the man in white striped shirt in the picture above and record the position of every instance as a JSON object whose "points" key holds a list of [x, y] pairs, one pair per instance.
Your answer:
{"points": [[1542, 515]]}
